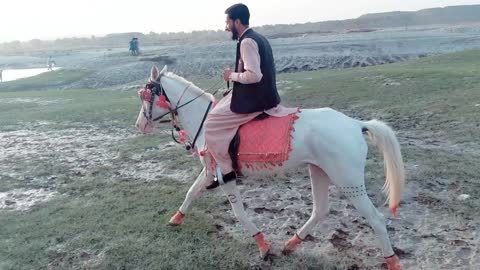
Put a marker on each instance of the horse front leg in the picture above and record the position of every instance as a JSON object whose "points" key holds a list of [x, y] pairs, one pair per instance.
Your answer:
{"points": [[231, 190], [193, 193]]}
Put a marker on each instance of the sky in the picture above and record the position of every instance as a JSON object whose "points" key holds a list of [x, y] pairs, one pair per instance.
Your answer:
{"points": [[49, 19]]}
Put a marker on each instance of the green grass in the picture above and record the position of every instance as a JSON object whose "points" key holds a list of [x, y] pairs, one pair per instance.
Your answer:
{"points": [[70, 107], [124, 220], [438, 94], [104, 221], [45, 80]]}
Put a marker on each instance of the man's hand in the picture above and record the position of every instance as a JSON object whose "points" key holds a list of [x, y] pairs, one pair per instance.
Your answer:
{"points": [[226, 74]]}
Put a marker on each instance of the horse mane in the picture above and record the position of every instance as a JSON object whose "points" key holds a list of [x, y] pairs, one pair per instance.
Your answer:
{"points": [[195, 89]]}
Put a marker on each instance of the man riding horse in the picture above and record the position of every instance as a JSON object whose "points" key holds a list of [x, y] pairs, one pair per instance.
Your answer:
{"points": [[332, 145], [254, 90]]}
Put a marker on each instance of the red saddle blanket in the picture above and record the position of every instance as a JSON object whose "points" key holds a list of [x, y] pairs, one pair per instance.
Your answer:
{"points": [[265, 143]]}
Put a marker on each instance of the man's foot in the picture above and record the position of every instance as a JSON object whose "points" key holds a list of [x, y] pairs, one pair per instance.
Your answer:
{"points": [[213, 185], [226, 178]]}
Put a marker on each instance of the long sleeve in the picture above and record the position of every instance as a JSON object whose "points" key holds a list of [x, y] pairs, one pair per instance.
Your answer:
{"points": [[249, 64]]}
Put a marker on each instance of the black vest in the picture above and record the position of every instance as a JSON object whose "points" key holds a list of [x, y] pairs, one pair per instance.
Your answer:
{"points": [[256, 97]]}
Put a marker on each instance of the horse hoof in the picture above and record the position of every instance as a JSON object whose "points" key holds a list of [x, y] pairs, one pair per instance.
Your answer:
{"points": [[291, 245], [287, 251], [176, 219], [263, 246], [393, 263], [267, 255]]}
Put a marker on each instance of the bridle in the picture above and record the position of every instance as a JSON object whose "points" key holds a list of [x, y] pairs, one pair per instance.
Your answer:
{"points": [[155, 88]]}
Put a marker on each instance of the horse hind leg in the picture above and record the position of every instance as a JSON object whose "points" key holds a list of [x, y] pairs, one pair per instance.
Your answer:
{"points": [[377, 221], [348, 183], [320, 183], [231, 190]]}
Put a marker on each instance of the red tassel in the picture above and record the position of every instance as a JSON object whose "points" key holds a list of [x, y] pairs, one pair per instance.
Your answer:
{"points": [[145, 94], [162, 102], [183, 134]]}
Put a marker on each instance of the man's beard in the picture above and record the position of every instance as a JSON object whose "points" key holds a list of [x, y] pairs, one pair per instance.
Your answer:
{"points": [[234, 34]]}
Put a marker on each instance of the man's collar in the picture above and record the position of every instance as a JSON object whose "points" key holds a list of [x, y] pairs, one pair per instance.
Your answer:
{"points": [[244, 31]]}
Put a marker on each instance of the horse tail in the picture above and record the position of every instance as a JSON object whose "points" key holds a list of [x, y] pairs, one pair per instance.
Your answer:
{"points": [[384, 138]]}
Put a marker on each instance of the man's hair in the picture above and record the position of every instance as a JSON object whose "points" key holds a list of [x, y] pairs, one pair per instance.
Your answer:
{"points": [[239, 11]]}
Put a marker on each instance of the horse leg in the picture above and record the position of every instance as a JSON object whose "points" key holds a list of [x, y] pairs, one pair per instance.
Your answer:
{"points": [[377, 221], [231, 190], [193, 193], [351, 183], [320, 183]]}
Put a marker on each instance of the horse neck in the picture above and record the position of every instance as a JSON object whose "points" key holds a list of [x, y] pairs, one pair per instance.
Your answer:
{"points": [[191, 115]]}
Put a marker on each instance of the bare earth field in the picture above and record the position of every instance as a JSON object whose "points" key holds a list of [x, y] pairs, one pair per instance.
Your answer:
{"points": [[81, 189]]}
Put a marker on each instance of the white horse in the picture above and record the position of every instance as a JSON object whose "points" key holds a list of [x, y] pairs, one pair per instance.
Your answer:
{"points": [[330, 143]]}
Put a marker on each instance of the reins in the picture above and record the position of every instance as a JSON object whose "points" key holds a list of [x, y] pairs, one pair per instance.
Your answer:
{"points": [[156, 88]]}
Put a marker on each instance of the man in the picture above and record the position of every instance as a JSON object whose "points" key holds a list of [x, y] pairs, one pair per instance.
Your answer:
{"points": [[131, 46], [135, 46], [254, 90], [50, 63]]}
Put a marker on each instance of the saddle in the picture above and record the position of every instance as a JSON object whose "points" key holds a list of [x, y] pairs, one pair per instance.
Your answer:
{"points": [[235, 144], [263, 143]]}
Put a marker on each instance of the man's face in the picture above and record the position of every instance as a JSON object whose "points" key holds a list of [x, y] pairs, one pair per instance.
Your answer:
{"points": [[230, 27]]}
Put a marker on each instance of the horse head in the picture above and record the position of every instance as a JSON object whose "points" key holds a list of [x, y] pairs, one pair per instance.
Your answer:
{"points": [[168, 95], [154, 101]]}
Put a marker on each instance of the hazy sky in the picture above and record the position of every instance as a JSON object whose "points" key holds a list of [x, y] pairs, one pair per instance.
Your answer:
{"points": [[28, 19]]}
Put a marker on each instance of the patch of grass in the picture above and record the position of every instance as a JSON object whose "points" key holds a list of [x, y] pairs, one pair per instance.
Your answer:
{"points": [[124, 221], [45, 80], [106, 108], [100, 224], [438, 94]]}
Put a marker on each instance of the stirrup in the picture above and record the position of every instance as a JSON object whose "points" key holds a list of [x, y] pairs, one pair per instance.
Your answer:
{"points": [[221, 179]]}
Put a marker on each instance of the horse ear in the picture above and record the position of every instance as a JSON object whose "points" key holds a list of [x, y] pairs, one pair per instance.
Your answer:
{"points": [[154, 74], [164, 70]]}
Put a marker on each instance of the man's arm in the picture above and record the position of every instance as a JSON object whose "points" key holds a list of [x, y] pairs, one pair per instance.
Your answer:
{"points": [[251, 63]]}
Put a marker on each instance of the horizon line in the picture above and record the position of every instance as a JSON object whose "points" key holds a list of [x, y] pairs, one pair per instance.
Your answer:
{"points": [[89, 35]]}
